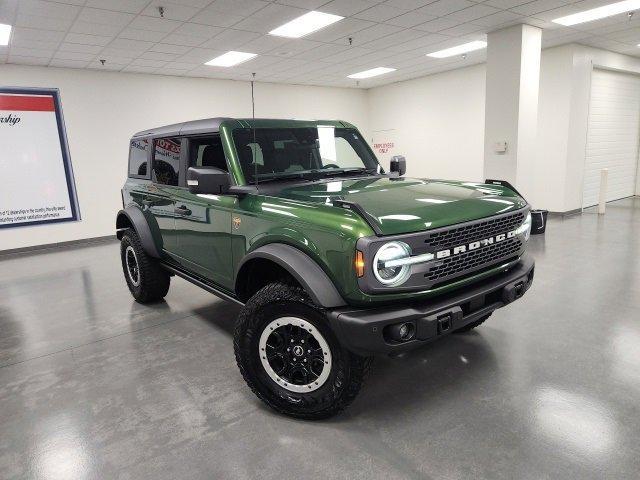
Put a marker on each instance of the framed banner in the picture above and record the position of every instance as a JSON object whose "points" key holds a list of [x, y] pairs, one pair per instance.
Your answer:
{"points": [[36, 183]]}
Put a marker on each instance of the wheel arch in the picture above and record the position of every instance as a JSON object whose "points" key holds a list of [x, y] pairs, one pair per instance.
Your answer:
{"points": [[132, 217], [294, 262]]}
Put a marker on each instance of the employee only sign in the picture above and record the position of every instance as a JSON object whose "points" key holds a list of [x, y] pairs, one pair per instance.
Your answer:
{"points": [[36, 178]]}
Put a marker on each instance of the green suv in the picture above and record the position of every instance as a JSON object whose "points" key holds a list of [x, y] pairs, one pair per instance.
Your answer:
{"points": [[333, 259]]}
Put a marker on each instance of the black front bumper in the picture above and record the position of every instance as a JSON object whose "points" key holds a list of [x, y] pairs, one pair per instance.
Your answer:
{"points": [[362, 330]]}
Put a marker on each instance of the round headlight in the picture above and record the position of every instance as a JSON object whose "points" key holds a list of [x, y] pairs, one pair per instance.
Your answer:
{"points": [[391, 275]]}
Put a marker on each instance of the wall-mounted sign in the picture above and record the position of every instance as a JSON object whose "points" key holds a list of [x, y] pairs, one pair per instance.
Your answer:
{"points": [[36, 183], [385, 145]]}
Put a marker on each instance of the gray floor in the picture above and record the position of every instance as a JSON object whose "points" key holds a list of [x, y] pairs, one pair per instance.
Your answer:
{"points": [[93, 385]]}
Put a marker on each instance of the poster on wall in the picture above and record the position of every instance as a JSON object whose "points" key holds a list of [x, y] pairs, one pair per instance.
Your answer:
{"points": [[36, 183]]}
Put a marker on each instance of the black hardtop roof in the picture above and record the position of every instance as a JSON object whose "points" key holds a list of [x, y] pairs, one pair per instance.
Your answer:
{"points": [[212, 125]]}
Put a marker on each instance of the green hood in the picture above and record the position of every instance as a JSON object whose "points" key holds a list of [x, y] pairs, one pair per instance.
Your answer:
{"points": [[403, 205]]}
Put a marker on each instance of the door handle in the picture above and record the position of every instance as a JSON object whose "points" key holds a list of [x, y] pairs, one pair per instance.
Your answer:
{"points": [[182, 210]]}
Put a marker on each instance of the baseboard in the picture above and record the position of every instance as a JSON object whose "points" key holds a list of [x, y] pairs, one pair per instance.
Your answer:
{"points": [[58, 246]]}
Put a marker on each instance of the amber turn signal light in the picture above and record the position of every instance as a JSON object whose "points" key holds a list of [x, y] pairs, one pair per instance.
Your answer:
{"points": [[359, 263]]}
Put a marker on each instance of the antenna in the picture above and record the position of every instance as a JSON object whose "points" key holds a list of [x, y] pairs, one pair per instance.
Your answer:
{"points": [[254, 146]]}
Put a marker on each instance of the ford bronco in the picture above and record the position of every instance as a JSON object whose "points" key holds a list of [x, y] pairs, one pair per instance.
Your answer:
{"points": [[332, 259]]}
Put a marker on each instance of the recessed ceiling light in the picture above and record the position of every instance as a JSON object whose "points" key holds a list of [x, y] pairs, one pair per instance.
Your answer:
{"points": [[5, 33], [459, 50], [230, 59], [598, 13], [374, 72], [304, 25]]}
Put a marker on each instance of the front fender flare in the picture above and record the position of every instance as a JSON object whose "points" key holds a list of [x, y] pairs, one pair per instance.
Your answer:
{"points": [[305, 270], [141, 226]]}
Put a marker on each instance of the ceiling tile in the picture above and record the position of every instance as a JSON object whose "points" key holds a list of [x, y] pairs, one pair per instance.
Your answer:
{"points": [[26, 60], [270, 17], [114, 55], [238, 7], [96, 65], [31, 52], [463, 29], [142, 62], [201, 55], [444, 7], [95, 28], [323, 51], [45, 23], [378, 30], [198, 30], [497, 19], [184, 40], [230, 40], [394, 39], [308, 4], [168, 48], [129, 6], [473, 13], [166, 57], [139, 69], [26, 42], [35, 34], [343, 28], [87, 39], [154, 23], [408, 4], [380, 13], [171, 10], [538, 6], [104, 17], [79, 48], [216, 18], [411, 19], [346, 8], [132, 45], [506, 4], [192, 3], [437, 25], [145, 35], [47, 9], [74, 56], [268, 43]]}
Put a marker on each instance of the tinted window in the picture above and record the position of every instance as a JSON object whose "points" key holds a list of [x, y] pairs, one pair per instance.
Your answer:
{"points": [[272, 152], [166, 161], [138, 155], [207, 152]]}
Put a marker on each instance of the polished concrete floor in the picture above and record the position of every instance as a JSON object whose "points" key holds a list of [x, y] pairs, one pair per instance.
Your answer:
{"points": [[95, 386]]}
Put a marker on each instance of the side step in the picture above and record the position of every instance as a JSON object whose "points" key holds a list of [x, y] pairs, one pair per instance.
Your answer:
{"points": [[200, 283]]}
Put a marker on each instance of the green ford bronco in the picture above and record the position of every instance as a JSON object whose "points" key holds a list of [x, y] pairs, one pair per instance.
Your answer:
{"points": [[333, 259]]}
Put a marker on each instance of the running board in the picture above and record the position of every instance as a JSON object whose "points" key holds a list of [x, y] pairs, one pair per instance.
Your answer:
{"points": [[200, 283]]}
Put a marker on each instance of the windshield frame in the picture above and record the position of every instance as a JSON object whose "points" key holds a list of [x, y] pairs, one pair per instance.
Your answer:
{"points": [[308, 174]]}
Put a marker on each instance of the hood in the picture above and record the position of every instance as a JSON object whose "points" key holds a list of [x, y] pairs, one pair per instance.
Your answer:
{"points": [[404, 205]]}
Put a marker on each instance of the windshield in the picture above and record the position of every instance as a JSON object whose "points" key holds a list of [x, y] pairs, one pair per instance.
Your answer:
{"points": [[293, 152]]}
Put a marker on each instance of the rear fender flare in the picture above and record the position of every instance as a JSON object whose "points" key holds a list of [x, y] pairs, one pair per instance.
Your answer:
{"points": [[140, 224]]}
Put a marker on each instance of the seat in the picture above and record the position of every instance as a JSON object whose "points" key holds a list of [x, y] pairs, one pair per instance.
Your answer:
{"points": [[213, 156]]}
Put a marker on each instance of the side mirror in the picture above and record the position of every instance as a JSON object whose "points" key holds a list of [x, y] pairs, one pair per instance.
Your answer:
{"points": [[398, 164], [208, 180]]}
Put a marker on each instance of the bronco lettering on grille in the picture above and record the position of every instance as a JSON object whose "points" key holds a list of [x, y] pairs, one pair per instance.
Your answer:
{"points": [[475, 245]]}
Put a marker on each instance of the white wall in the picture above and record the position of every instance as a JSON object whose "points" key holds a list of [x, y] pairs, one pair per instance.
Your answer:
{"points": [[103, 109], [438, 122]]}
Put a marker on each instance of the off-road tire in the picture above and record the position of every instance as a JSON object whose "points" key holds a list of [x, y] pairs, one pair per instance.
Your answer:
{"points": [[472, 325], [153, 280], [347, 373]]}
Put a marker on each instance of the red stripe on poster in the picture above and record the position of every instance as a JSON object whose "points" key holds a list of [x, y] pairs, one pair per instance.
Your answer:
{"points": [[26, 103]]}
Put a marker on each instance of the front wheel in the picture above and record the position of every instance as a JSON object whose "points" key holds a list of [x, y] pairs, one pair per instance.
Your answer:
{"points": [[291, 359], [146, 279]]}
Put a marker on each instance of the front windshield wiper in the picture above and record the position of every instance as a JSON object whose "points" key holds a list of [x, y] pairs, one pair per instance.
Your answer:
{"points": [[311, 175], [348, 171]]}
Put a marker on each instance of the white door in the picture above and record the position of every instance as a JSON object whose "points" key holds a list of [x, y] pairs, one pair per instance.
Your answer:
{"points": [[613, 135]]}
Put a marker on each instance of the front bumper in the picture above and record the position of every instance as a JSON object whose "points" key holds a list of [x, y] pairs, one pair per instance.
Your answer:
{"points": [[362, 330]]}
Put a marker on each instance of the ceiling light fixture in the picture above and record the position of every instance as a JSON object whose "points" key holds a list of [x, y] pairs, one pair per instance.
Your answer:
{"points": [[231, 59], [5, 33], [459, 50], [305, 24], [374, 72], [598, 13]]}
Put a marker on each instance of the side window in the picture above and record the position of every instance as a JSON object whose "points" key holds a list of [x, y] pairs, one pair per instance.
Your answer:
{"points": [[166, 161], [138, 155], [207, 152]]}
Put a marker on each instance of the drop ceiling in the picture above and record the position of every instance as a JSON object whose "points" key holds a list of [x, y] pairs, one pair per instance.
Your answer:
{"points": [[131, 36]]}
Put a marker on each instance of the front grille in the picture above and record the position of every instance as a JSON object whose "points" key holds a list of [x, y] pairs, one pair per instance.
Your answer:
{"points": [[474, 259], [455, 236]]}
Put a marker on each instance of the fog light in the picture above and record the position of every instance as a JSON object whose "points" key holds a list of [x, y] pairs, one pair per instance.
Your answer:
{"points": [[400, 332]]}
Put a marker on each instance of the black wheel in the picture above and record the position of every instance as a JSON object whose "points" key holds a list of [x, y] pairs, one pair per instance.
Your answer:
{"points": [[473, 325], [291, 359], [146, 279]]}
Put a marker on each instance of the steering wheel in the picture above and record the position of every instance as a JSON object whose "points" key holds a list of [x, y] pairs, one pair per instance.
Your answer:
{"points": [[330, 165]]}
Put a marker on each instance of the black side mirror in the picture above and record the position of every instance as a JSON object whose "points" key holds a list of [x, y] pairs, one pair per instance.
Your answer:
{"points": [[208, 180], [398, 164]]}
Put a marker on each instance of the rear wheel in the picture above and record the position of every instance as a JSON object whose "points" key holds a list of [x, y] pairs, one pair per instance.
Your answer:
{"points": [[473, 325], [291, 359], [146, 279]]}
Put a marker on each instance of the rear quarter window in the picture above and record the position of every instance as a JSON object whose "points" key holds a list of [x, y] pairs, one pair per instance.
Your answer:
{"points": [[139, 158]]}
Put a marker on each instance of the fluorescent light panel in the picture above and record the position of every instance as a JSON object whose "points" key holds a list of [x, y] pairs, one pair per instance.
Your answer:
{"points": [[459, 50], [305, 24], [230, 59], [598, 13], [372, 73], [5, 33]]}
